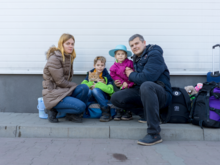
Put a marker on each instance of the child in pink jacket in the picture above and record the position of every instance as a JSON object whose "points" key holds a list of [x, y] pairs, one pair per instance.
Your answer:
{"points": [[117, 72]]}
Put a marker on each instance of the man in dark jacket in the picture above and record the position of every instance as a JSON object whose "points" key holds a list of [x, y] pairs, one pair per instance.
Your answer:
{"points": [[152, 90]]}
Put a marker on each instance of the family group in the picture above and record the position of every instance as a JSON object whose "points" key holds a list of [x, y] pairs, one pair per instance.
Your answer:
{"points": [[143, 82]]}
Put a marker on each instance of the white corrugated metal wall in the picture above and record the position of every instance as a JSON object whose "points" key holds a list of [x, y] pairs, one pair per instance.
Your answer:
{"points": [[185, 29]]}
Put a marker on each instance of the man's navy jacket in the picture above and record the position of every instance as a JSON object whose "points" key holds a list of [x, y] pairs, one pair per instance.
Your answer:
{"points": [[150, 66]]}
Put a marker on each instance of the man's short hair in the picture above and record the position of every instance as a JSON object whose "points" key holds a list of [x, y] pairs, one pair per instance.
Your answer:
{"points": [[135, 36], [101, 58]]}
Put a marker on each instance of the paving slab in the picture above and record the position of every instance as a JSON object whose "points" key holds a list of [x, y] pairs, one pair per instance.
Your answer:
{"points": [[7, 130], [64, 129], [29, 125], [168, 132], [79, 151], [181, 132], [212, 134], [40, 131]]}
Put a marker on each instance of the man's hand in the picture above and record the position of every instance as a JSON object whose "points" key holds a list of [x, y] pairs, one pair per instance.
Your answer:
{"points": [[125, 85], [128, 71], [118, 83]]}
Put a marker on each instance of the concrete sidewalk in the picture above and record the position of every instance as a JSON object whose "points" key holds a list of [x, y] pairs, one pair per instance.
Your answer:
{"points": [[29, 125], [79, 151]]}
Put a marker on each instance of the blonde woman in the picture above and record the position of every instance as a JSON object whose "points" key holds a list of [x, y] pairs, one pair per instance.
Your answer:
{"points": [[60, 94]]}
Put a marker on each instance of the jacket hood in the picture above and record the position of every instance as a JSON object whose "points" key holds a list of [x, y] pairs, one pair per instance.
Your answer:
{"points": [[53, 50], [150, 48]]}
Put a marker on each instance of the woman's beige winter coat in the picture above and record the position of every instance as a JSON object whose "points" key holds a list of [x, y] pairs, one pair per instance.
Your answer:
{"points": [[57, 77]]}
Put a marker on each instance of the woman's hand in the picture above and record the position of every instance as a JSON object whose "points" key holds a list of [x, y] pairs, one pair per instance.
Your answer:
{"points": [[118, 83], [125, 85]]}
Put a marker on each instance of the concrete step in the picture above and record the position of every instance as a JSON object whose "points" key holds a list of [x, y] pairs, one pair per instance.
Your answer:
{"points": [[29, 125]]}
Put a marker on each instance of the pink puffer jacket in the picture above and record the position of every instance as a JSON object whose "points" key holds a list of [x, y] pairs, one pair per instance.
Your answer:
{"points": [[117, 71]]}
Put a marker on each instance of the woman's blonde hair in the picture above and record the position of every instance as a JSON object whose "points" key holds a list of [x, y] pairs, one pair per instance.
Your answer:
{"points": [[63, 39]]}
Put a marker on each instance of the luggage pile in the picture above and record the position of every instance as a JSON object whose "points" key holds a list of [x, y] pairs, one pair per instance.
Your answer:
{"points": [[199, 105], [205, 110]]}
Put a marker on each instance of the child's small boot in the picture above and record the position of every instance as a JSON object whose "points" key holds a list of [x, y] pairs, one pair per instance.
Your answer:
{"points": [[127, 116], [106, 115], [118, 115]]}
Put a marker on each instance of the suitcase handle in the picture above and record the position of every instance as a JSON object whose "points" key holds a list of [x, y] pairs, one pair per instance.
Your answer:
{"points": [[214, 73], [217, 45]]}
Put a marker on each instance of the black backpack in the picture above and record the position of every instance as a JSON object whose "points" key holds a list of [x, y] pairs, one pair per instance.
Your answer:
{"points": [[201, 113], [178, 111]]}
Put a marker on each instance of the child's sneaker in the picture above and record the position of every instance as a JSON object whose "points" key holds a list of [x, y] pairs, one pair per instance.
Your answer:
{"points": [[127, 116], [118, 115]]}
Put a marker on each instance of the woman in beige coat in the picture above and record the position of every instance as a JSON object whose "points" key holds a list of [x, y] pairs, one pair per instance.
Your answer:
{"points": [[60, 94]]}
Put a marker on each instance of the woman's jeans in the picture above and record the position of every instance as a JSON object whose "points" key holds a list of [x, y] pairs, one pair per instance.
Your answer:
{"points": [[76, 103], [97, 95]]}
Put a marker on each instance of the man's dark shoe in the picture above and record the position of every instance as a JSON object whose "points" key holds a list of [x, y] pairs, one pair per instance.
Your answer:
{"points": [[52, 114], [118, 115], [106, 115], [150, 139], [142, 120], [127, 116], [74, 117]]}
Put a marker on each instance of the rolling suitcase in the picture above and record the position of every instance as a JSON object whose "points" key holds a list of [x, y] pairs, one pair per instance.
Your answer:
{"points": [[214, 75]]}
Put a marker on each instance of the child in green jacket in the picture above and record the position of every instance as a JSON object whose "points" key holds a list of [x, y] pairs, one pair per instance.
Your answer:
{"points": [[102, 89]]}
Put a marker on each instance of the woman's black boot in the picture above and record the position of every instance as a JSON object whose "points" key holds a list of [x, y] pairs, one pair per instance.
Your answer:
{"points": [[52, 114], [106, 115]]}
